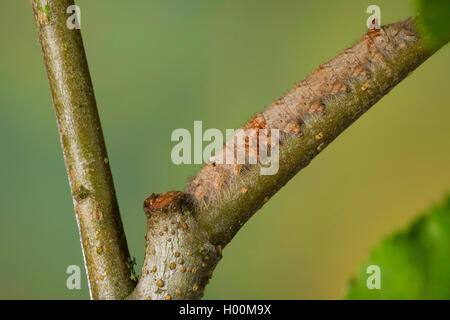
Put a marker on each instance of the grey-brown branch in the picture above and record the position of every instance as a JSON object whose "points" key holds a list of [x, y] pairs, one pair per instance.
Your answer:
{"points": [[222, 197], [186, 231], [309, 117], [104, 246]]}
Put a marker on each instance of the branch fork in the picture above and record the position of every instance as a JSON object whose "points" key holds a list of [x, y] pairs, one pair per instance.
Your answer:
{"points": [[186, 231]]}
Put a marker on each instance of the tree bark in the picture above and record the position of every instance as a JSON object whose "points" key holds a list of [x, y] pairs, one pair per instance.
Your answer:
{"points": [[104, 246], [309, 117], [222, 197]]}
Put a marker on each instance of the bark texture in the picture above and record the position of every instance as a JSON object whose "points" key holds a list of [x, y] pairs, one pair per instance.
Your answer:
{"points": [[104, 246], [179, 258], [310, 116], [222, 197], [186, 231]]}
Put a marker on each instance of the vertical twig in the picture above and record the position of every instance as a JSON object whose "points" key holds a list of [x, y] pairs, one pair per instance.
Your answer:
{"points": [[105, 250]]}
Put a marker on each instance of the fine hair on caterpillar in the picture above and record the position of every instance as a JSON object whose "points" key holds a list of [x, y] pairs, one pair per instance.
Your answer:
{"points": [[243, 146]]}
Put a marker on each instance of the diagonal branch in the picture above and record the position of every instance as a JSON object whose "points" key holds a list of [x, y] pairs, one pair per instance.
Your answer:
{"points": [[309, 117], [105, 250], [187, 231]]}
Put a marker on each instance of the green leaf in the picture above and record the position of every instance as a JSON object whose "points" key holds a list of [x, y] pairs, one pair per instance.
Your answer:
{"points": [[434, 22], [414, 263]]}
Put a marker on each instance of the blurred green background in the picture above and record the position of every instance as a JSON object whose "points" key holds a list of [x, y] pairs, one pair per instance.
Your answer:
{"points": [[160, 65]]}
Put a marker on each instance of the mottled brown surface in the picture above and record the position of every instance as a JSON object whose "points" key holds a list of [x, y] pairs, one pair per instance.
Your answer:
{"points": [[322, 105]]}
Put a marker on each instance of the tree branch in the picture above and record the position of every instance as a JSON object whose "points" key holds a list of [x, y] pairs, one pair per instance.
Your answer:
{"points": [[310, 116], [105, 250], [179, 257], [194, 226], [186, 231]]}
